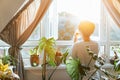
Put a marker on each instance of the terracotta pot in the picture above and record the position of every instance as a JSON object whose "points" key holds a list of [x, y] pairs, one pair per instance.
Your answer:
{"points": [[34, 60]]}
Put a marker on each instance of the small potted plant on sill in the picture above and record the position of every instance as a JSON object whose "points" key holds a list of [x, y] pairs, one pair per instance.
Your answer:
{"points": [[34, 57]]}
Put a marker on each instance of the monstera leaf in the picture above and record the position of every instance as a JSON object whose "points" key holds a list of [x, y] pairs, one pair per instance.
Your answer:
{"points": [[73, 68], [48, 45]]}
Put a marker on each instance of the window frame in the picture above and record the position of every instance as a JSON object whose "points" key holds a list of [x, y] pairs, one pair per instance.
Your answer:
{"points": [[107, 43]]}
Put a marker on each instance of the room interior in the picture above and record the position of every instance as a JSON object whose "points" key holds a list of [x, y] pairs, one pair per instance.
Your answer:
{"points": [[24, 22]]}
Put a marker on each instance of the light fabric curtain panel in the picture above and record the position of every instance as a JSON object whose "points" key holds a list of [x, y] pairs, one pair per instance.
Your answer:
{"points": [[21, 27], [113, 7]]}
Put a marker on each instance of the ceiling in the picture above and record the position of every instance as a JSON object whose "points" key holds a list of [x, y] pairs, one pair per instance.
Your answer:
{"points": [[8, 9]]}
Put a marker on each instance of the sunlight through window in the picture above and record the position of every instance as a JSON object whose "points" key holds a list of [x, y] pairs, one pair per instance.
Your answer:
{"points": [[83, 9]]}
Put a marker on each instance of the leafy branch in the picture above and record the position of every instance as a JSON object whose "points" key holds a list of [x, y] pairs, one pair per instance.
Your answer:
{"points": [[77, 71]]}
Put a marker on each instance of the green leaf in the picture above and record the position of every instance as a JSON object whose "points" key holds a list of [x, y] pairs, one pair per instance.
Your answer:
{"points": [[46, 43], [31, 51], [34, 51], [51, 41], [48, 46], [72, 66], [8, 60], [117, 66], [65, 56], [41, 46], [118, 50], [51, 63]]}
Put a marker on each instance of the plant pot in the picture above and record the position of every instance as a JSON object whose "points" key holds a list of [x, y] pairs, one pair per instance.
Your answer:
{"points": [[34, 60]]}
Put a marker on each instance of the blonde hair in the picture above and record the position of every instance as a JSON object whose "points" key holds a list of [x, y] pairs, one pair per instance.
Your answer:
{"points": [[86, 28]]}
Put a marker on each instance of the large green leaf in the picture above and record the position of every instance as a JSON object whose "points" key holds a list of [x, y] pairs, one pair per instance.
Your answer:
{"points": [[50, 42], [42, 44], [51, 63], [72, 66], [48, 45]]}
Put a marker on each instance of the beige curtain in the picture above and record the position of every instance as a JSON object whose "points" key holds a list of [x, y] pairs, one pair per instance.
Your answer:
{"points": [[21, 27], [113, 7]]}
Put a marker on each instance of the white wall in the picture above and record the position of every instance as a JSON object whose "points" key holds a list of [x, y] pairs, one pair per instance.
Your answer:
{"points": [[35, 74], [7, 10]]}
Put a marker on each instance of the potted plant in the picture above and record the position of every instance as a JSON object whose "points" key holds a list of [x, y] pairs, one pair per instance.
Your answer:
{"points": [[6, 68], [7, 59], [6, 71], [77, 71], [60, 57], [34, 56], [47, 46], [51, 56]]}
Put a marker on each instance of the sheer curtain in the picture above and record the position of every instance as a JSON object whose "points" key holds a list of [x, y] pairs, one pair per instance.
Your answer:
{"points": [[113, 7], [21, 27]]}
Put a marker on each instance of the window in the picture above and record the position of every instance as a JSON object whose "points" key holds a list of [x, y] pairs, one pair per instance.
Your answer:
{"points": [[108, 33], [62, 19], [69, 16], [70, 13], [3, 48]]}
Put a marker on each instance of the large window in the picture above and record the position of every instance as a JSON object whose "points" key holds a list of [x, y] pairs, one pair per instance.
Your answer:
{"points": [[108, 33], [62, 19], [71, 12]]}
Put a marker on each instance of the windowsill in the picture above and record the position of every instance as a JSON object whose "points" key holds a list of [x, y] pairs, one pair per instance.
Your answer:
{"points": [[63, 66], [29, 67]]}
